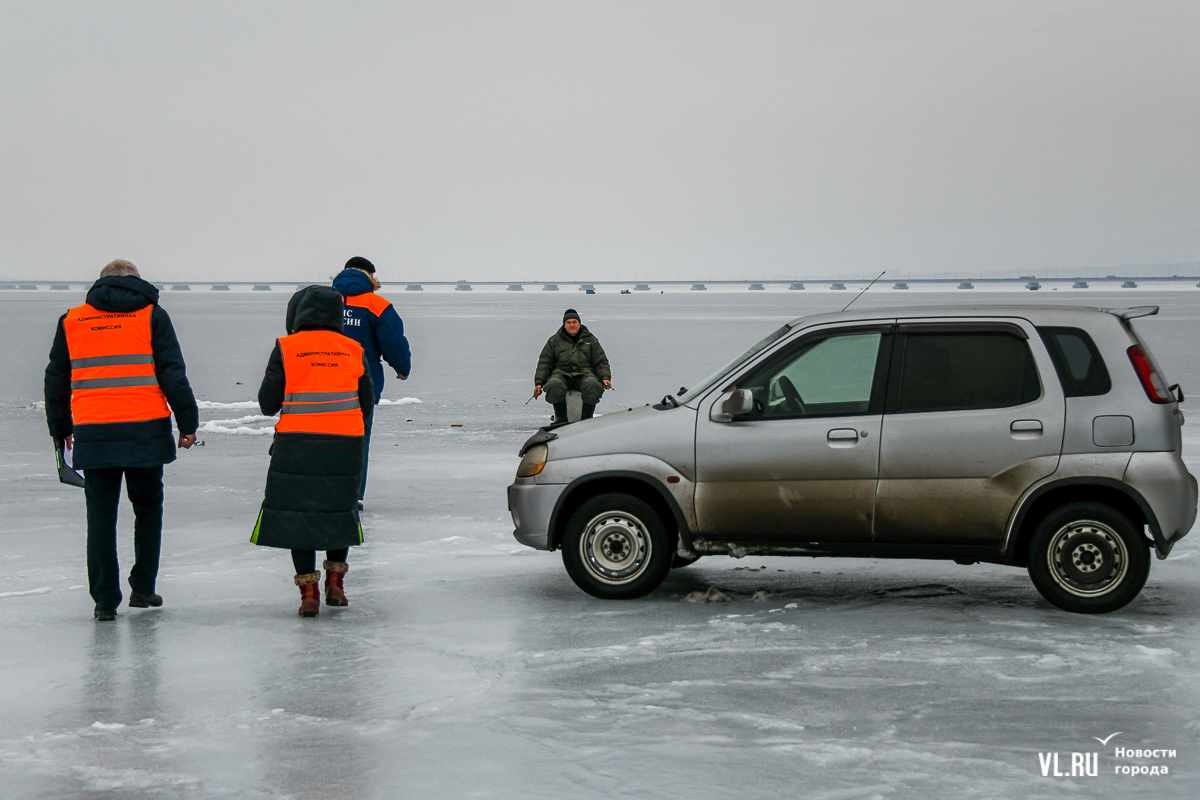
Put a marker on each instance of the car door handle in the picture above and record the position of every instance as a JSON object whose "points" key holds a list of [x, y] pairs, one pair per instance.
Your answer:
{"points": [[842, 436], [1026, 426]]}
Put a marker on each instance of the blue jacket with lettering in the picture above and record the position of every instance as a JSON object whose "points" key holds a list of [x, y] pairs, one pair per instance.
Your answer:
{"points": [[373, 322]]}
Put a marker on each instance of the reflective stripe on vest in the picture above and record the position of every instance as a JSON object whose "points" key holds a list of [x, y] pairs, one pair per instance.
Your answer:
{"points": [[112, 367], [321, 372]]}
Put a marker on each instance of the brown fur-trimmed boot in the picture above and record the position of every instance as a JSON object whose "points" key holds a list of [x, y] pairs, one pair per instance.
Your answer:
{"points": [[334, 571], [310, 595]]}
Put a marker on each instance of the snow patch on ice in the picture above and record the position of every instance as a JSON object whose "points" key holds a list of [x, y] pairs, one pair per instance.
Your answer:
{"points": [[1155, 652], [215, 404], [108, 726], [761, 595], [403, 401], [827, 754], [711, 595], [235, 426], [41, 590], [244, 420]]}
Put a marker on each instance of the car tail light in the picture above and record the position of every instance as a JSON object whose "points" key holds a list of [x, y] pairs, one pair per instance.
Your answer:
{"points": [[1152, 382]]}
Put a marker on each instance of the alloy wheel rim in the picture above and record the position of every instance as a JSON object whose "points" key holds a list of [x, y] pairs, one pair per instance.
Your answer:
{"points": [[615, 547], [1087, 558]]}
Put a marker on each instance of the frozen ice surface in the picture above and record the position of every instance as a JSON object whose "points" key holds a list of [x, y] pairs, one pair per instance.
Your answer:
{"points": [[469, 666]]}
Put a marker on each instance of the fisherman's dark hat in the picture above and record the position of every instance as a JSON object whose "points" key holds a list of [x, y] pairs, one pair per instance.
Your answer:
{"points": [[358, 262], [571, 314]]}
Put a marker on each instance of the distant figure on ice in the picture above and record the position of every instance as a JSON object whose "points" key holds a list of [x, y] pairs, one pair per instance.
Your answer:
{"points": [[115, 375], [318, 381], [372, 322], [572, 360]]}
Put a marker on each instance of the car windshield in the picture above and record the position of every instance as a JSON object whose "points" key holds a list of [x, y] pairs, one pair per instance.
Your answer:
{"points": [[707, 383]]}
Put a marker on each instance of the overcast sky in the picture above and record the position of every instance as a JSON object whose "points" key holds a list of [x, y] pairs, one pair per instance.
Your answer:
{"points": [[592, 141]]}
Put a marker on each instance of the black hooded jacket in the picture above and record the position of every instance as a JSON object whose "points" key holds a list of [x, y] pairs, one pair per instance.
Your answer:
{"points": [[309, 310], [123, 444], [311, 498]]}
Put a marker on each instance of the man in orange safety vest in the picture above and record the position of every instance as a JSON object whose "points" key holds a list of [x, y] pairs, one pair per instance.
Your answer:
{"points": [[116, 373]]}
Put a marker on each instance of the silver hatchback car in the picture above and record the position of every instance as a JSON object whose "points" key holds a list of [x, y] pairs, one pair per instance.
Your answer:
{"points": [[1043, 437]]}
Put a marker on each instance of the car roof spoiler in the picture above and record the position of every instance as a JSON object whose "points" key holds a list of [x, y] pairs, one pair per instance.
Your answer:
{"points": [[1133, 313]]}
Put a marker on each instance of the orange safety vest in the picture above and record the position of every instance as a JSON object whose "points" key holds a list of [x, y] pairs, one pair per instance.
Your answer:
{"points": [[320, 393], [112, 367]]}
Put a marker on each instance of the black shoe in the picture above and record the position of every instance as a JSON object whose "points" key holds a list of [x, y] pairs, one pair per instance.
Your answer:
{"points": [[137, 600], [560, 412], [360, 505], [588, 409], [104, 616]]}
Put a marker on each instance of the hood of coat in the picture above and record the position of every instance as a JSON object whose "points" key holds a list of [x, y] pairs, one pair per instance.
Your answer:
{"points": [[315, 308], [352, 282], [122, 294]]}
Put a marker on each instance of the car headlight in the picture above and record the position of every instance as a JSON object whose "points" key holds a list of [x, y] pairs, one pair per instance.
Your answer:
{"points": [[533, 461]]}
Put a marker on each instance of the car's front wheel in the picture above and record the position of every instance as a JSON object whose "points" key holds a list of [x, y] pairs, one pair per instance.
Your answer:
{"points": [[1088, 558], [616, 547]]}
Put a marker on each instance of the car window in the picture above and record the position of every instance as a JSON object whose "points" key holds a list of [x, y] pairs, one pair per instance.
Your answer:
{"points": [[706, 384], [832, 376], [944, 371], [1077, 362]]}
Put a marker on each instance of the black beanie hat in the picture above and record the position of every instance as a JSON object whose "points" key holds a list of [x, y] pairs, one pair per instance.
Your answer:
{"points": [[570, 314], [358, 262]]}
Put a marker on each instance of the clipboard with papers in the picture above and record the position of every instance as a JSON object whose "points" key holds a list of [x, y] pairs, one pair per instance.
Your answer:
{"points": [[66, 473]]}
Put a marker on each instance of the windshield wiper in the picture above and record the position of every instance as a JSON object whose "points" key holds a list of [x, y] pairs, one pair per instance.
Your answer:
{"points": [[668, 401]]}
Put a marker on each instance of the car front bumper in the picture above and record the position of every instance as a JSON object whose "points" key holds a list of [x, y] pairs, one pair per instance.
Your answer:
{"points": [[531, 505]]}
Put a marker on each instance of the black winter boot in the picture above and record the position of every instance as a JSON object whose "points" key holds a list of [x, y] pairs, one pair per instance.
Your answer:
{"points": [[588, 408], [138, 600], [560, 411]]}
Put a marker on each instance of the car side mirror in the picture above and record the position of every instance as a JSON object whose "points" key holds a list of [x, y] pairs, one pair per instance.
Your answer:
{"points": [[739, 401]]}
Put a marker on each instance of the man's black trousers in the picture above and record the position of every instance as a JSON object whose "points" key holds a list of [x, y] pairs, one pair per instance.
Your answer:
{"points": [[557, 387], [102, 490]]}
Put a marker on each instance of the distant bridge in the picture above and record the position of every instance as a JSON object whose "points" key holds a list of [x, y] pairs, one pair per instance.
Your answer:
{"points": [[753, 284]]}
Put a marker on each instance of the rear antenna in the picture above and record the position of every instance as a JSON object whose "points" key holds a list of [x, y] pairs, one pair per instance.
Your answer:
{"points": [[869, 285]]}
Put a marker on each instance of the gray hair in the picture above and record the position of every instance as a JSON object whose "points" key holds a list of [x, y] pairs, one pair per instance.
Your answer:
{"points": [[120, 267]]}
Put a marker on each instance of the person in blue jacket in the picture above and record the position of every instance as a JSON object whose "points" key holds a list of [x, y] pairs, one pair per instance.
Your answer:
{"points": [[373, 322]]}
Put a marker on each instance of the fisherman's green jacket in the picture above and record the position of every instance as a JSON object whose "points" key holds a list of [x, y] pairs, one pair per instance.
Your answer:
{"points": [[572, 358]]}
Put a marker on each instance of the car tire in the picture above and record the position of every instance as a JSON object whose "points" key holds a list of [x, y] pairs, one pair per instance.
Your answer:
{"points": [[679, 562], [1088, 558], [616, 547]]}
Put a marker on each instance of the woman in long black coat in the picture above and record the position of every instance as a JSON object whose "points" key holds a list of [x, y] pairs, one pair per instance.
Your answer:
{"points": [[311, 499]]}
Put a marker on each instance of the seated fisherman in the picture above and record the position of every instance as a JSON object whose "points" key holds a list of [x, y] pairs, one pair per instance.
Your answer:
{"points": [[572, 360]]}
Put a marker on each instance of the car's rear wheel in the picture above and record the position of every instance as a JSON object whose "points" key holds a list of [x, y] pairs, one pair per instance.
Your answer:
{"points": [[616, 547], [1088, 558]]}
